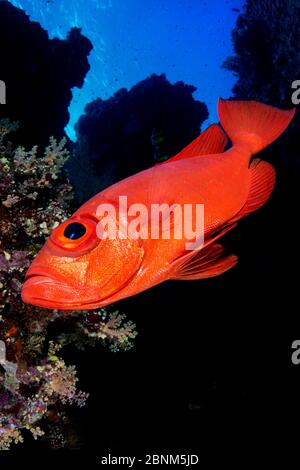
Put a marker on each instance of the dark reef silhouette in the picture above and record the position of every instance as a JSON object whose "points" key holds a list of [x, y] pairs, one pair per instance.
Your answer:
{"points": [[39, 74], [131, 130], [266, 45], [266, 62]]}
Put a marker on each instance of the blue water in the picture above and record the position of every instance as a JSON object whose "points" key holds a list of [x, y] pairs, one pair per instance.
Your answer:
{"points": [[186, 39]]}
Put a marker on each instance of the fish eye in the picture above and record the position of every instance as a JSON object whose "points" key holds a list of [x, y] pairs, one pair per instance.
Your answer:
{"points": [[76, 235], [74, 231]]}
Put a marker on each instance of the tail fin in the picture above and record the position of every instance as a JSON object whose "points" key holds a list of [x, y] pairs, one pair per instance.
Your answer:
{"points": [[253, 124]]}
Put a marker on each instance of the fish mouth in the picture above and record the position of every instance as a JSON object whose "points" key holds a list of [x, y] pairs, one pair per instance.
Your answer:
{"points": [[43, 289]]}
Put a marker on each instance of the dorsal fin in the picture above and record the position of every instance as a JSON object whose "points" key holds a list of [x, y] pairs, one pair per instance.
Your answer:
{"points": [[211, 141]]}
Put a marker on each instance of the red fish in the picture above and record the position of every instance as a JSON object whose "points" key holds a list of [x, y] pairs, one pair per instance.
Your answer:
{"points": [[77, 270]]}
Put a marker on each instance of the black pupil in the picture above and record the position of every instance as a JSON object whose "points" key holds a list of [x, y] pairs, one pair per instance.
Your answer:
{"points": [[74, 231]]}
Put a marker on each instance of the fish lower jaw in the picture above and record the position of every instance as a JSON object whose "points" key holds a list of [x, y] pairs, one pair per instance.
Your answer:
{"points": [[56, 305], [44, 292]]}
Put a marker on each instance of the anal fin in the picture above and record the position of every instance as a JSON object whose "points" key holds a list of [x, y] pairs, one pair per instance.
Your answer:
{"points": [[261, 187]]}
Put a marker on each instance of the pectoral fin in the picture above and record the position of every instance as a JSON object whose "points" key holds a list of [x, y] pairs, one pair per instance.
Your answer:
{"points": [[208, 262]]}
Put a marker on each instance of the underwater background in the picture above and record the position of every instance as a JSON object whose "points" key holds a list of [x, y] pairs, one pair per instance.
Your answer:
{"points": [[106, 89], [132, 40]]}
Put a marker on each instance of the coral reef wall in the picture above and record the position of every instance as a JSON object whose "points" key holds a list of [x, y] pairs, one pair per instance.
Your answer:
{"points": [[36, 384], [39, 74], [132, 130]]}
